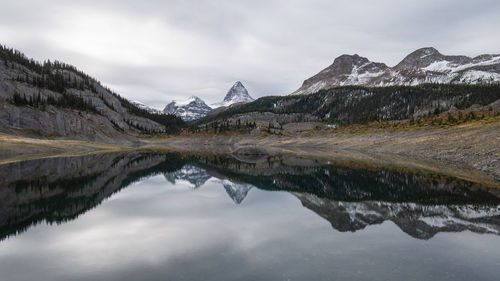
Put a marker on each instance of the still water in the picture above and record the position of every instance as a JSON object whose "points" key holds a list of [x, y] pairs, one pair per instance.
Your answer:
{"points": [[139, 216]]}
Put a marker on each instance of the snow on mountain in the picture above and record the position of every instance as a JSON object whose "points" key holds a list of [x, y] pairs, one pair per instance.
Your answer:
{"points": [[193, 175], [237, 94], [426, 65], [237, 191], [194, 108], [419, 221], [190, 109], [146, 107]]}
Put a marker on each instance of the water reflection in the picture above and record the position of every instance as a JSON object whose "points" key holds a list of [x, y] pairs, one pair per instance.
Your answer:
{"points": [[350, 198], [147, 216]]}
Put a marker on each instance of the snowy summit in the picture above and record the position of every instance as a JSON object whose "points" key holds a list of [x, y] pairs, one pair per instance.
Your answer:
{"points": [[237, 94], [191, 109]]}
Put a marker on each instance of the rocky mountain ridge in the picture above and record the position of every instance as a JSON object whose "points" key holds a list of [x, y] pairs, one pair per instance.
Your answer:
{"points": [[195, 108], [425, 65], [190, 109]]}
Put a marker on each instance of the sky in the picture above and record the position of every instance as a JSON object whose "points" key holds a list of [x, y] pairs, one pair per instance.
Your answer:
{"points": [[158, 51]]}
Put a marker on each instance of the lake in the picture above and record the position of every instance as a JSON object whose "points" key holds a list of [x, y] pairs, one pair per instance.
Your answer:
{"points": [[167, 216]]}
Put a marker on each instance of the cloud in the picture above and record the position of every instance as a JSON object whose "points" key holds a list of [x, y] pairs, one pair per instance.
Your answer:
{"points": [[156, 51]]}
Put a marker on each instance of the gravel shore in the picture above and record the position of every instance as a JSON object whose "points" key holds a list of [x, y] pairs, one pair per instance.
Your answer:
{"points": [[467, 151]]}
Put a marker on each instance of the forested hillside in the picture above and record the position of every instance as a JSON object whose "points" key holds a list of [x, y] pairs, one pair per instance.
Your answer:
{"points": [[56, 99], [357, 104]]}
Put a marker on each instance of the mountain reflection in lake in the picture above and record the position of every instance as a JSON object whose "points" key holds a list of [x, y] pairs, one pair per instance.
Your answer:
{"points": [[136, 216]]}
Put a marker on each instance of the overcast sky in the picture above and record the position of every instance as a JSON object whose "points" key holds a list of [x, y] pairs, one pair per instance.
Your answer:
{"points": [[156, 51]]}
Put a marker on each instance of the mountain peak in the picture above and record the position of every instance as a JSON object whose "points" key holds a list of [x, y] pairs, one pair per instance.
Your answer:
{"points": [[237, 94], [190, 109], [237, 84], [346, 63], [427, 51], [420, 58], [194, 98]]}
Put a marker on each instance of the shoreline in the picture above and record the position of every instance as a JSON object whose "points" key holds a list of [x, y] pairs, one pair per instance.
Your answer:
{"points": [[15, 149], [470, 151]]}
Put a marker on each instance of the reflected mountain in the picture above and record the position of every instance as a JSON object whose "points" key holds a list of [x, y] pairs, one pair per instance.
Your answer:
{"points": [[192, 174], [350, 198], [237, 191], [198, 177], [418, 221]]}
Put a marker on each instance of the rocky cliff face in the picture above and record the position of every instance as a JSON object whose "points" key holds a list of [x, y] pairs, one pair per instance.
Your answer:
{"points": [[426, 65], [57, 100]]}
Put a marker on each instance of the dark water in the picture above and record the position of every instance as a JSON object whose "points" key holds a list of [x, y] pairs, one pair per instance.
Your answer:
{"points": [[169, 217]]}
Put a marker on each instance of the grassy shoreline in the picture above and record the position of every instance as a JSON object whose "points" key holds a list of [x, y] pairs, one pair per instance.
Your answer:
{"points": [[468, 151], [16, 149]]}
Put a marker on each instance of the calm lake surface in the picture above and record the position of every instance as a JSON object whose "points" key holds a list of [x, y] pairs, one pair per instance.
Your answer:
{"points": [[135, 216]]}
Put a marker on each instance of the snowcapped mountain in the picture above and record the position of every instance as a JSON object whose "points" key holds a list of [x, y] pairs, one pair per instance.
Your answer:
{"points": [[146, 107], [194, 108], [426, 65], [237, 94], [190, 109]]}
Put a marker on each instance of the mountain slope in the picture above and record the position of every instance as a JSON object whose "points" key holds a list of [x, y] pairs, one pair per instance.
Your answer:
{"points": [[191, 109], [426, 65], [237, 94], [54, 99]]}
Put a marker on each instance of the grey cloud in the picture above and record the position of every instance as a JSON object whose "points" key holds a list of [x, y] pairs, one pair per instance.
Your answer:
{"points": [[172, 49]]}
